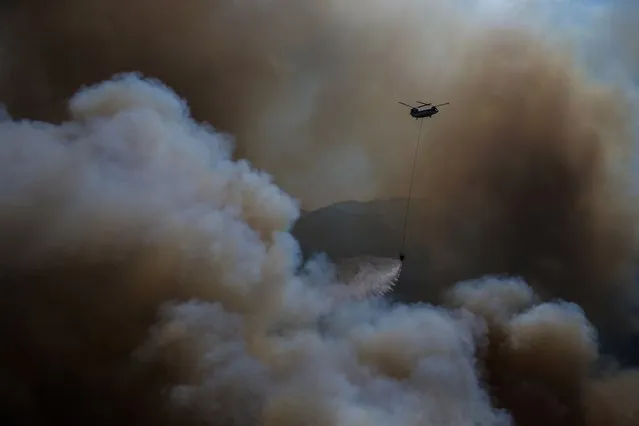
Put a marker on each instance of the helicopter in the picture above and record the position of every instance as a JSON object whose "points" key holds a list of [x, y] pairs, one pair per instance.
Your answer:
{"points": [[416, 112]]}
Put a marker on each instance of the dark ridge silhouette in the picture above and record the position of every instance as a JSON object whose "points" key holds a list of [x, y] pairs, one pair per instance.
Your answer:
{"points": [[374, 228]]}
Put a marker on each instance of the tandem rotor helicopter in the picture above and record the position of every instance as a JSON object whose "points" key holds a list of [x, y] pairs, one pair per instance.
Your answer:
{"points": [[424, 110], [416, 112]]}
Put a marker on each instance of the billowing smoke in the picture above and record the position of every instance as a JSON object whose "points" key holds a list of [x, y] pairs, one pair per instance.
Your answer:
{"points": [[148, 278], [309, 89], [535, 181]]}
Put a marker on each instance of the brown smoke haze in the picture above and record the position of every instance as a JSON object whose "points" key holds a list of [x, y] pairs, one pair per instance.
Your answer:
{"points": [[150, 279], [148, 275], [308, 89], [537, 180]]}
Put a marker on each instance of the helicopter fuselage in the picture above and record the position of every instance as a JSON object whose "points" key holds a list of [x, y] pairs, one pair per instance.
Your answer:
{"points": [[424, 113]]}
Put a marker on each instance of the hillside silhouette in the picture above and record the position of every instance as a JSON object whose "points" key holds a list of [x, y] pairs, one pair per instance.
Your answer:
{"points": [[373, 228]]}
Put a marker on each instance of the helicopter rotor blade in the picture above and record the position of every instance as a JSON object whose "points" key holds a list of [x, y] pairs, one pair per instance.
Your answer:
{"points": [[409, 106], [447, 103], [424, 103]]}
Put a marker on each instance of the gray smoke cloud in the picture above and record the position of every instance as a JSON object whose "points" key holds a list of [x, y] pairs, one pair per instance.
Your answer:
{"points": [[308, 89], [133, 207], [148, 278], [148, 274]]}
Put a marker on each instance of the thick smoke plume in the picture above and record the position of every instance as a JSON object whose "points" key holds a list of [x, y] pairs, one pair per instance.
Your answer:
{"points": [[150, 279], [536, 181], [309, 89], [126, 217], [524, 173]]}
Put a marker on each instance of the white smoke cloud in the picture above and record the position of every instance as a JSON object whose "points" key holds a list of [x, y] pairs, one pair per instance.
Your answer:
{"points": [[149, 278], [134, 183], [148, 272]]}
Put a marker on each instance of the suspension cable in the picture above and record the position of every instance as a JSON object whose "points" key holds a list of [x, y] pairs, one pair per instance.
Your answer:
{"points": [[410, 190]]}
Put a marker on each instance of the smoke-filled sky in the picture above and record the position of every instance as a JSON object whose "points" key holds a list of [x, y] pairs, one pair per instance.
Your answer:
{"points": [[150, 279], [308, 89], [148, 272]]}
